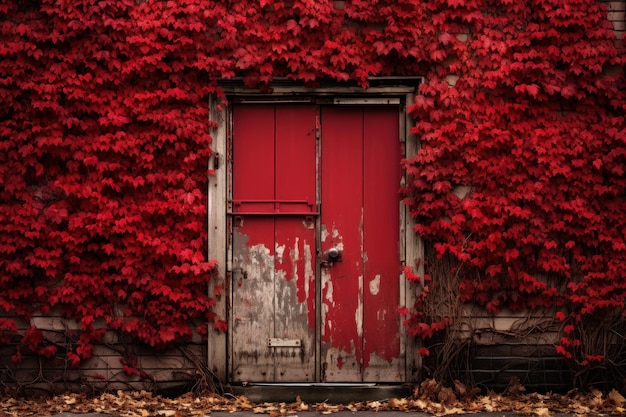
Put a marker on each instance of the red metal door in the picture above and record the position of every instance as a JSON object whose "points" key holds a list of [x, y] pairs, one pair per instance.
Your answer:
{"points": [[273, 243], [360, 217], [276, 333]]}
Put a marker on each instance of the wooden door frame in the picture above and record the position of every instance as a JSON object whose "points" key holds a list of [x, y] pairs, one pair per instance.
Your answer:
{"points": [[218, 189]]}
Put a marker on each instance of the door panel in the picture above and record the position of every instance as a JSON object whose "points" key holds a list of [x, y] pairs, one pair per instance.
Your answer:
{"points": [[252, 299], [294, 299], [381, 292], [295, 150], [254, 159], [342, 188], [276, 226], [273, 244], [360, 215]]}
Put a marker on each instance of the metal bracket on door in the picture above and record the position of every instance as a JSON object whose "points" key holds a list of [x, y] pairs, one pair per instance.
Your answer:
{"points": [[276, 342]]}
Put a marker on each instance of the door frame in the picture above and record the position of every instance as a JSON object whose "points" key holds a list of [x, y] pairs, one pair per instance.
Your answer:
{"points": [[383, 90]]}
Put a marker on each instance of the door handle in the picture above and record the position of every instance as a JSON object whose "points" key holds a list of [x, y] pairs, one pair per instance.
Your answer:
{"points": [[331, 256]]}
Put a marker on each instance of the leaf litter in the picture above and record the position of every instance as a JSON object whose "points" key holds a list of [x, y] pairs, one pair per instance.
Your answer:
{"points": [[429, 397]]}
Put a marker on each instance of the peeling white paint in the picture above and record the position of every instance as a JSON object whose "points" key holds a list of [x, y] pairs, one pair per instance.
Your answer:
{"points": [[254, 275], [327, 301], [260, 260], [375, 285], [294, 254], [309, 271], [280, 274], [259, 249], [323, 233], [329, 292], [338, 239], [280, 250]]}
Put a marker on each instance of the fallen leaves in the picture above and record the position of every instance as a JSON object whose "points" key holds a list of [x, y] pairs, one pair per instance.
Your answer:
{"points": [[429, 397]]}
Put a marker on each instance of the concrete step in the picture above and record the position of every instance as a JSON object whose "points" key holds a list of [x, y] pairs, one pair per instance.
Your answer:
{"points": [[320, 392]]}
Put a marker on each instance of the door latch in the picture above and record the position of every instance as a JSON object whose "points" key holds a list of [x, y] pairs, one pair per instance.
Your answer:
{"points": [[331, 256]]}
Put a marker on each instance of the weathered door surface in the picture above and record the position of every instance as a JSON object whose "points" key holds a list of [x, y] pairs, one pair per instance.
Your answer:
{"points": [[360, 215], [274, 194], [309, 181]]}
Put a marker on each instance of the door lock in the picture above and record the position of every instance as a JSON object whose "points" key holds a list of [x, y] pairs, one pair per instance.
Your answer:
{"points": [[331, 256]]}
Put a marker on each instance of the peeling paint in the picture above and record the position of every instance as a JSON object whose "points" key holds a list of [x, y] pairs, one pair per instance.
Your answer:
{"points": [[294, 255], [295, 252], [274, 298], [253, 272], [381, 370], [342, 317], [328, 294], [358, 314], [327, 302], [309, 284], [323, 233], [279, 250], [375, 285]]}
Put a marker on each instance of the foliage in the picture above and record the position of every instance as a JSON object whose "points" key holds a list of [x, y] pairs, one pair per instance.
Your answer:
{"points": [[534, 128], [103, 166], [105, 137]]}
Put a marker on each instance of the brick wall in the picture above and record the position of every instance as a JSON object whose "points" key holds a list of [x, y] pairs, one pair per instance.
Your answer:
{"points": [[617, 16]]}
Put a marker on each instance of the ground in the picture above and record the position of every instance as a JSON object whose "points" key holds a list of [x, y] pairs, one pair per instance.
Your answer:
{"points": [[430, 398]]}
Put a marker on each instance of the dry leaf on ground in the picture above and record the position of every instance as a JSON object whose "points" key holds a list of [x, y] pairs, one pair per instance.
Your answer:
{"points": [[430, 397]]}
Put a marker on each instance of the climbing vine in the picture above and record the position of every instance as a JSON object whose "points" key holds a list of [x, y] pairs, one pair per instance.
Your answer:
{"points": [[105, 141], [521, 174], [104, 144]]}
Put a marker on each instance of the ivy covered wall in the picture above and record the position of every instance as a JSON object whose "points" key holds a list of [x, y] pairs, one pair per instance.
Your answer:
{"points": [[105, 141]]}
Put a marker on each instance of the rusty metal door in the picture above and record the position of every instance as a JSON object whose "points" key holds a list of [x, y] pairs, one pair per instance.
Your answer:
{"points": [[314, 251]]}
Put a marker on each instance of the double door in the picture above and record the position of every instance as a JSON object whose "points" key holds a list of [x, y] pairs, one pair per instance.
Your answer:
{"points": [[314, 253]]}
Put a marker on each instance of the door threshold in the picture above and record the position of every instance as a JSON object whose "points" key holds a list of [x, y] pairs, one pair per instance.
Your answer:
{"points": [[312, 384], [312, 393]]}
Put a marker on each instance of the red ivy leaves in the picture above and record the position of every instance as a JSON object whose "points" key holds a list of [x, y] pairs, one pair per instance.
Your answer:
{"points": [[104, 138], [513, 177]]}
